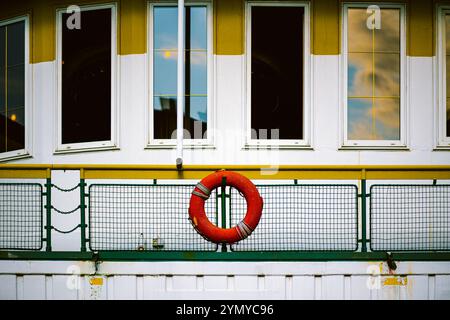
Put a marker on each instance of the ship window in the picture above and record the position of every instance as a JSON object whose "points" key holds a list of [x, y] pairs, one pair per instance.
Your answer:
{"points": [[86, 72], [164, 66], [447, 77], [12, 86], [374, 48], [443, 73], [277, 72]]}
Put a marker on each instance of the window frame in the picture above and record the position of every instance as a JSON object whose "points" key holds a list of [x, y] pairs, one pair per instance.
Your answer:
{"points": [[151, 142], [402, 143], [442, 142], [28, 107], [307, 141], [112, 144]]}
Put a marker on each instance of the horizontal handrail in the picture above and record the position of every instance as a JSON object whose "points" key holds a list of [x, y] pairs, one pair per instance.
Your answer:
{"points": [[259, 172]]}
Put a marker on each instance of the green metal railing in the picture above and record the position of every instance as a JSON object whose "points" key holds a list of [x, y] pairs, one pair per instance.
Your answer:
{"points": [[301, 222]]}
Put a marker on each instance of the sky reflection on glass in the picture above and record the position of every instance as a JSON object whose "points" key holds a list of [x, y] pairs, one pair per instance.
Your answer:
{"points": [[373, 76], [165, 68]]}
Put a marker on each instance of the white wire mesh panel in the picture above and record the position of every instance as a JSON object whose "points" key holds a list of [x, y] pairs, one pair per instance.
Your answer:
{"points": [[21, 216], [410, 217], [301, 218], [145, 217]]}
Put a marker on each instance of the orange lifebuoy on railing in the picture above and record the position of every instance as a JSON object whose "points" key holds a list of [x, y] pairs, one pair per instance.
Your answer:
{"points": [[202, 193]]}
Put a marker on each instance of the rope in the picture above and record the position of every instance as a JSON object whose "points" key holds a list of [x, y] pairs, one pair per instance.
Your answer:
{"points": [[66, 190], [66, 232], [66, 212]]}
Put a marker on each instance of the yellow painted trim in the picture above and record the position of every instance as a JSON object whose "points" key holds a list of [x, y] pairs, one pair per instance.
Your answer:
{"points": [[229, 25], [420, 33], [96, 281], [195, 172], [229, 30], [132, 20], [326, 27], [396, 281], [25, 174]]}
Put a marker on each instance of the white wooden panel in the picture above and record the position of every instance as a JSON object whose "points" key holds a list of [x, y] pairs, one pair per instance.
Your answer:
{"points": [[360, 288], [389, 292], [154, 287], [34, 287], [333, 287], [347, 287], [62, 288], [20, 289], [417, 288], [49, 287], [125, 288], [184, 283], [8, 290], [215, 283], [246, 283], [442, 287], [303, 288], [140, 288], [275, 287]]}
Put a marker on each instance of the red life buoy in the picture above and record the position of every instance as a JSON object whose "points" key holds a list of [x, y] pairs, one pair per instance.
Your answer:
{"points": [[202, 193]]}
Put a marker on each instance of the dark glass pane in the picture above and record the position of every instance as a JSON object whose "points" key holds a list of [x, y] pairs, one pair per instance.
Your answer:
{"points": [[448, 76], [16, 86], [197, 27], [2, 90], [387, 75], [16, 44], [2, 47], [277, 71], [359, 35], [165, 117], [447, 32], [15, 133], [388, 37], [3, 121], [17, 115], [86, 79], [196, 116], [360, 75], [165, 27], [448, 117], [165, 72]]}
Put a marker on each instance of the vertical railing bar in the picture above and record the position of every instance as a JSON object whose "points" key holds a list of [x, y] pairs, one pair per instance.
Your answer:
{"points": [[363, 216], [223, 198], [83, 210], [48, 209]]}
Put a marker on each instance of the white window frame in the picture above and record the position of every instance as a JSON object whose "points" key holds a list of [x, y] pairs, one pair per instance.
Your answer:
{"points": [[208, 143], [443, 142], [27, 151], [93, 145], [306, 142], [374, 144]]}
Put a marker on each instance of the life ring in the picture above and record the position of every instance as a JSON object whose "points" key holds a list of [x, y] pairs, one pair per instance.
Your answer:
{"points": [[202, 193]]}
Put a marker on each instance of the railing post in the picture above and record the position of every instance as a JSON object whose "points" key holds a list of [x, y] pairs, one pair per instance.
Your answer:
{"points": [[83, 212], [48, 210], [363, 216], [223, 198]]}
